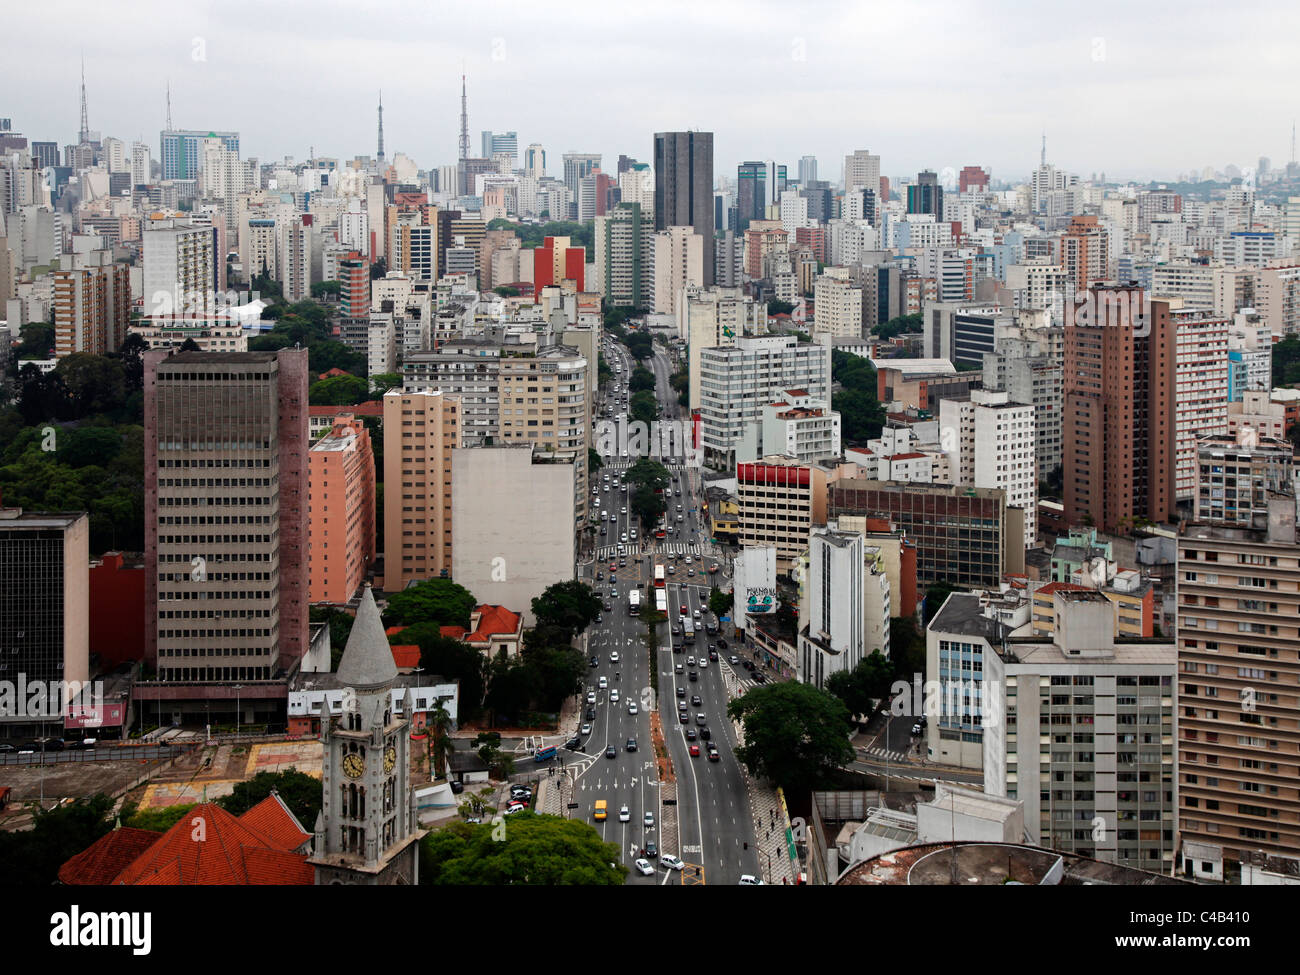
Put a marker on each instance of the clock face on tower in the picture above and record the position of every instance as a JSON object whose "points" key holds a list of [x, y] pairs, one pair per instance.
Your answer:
{"points": [[390, 758], [353, 765]]}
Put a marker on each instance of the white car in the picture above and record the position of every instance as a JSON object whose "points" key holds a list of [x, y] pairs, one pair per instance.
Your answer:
{"points": [[613, 695], [644, 868], [631, 707], [671, 862], [604, 683], [591, 697], [623, 510], [613, 656], [704, 662], [749, 880], [649, 820], [585, 729], [688, 560], [624, 815]]}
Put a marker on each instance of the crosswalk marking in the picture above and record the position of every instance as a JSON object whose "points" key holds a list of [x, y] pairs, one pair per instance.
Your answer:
{"points": [[885, 753]]}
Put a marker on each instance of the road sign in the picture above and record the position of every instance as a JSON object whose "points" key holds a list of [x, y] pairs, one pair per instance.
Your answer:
{"points": [[573, 805]]}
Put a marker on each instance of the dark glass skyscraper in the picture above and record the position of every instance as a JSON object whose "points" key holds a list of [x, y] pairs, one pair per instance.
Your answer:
{"points": [[683, 164]]}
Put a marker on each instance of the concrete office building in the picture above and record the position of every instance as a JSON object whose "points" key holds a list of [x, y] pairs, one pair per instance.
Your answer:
{"points": [[341, 508], [44, 609], [683, 168], [513, 518], [226, 514], [837, 305], [737, 382], [1237, 475], [780, 502], [421, 428], [624, 252], [832, 640], [182, 151], [961, 533], [795, 425]]}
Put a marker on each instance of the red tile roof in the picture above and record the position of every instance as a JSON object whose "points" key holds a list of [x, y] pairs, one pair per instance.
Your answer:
{"points": [[453, 632], [108, 856], [912, 456], [406, 656], [273, 819], [393, 630], [334, 372], [210, 846], [368, 408], [494, 621], [1052, 587]]}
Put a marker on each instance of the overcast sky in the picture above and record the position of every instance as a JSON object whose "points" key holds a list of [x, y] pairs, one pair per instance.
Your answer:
{"points": [[1130, 89]]}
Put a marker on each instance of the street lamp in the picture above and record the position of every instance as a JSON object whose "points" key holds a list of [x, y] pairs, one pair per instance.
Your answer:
{"points": [[238, 688]]}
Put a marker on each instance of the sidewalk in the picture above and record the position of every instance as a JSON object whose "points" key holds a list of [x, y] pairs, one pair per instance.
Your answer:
{"points": [[770, 823]]}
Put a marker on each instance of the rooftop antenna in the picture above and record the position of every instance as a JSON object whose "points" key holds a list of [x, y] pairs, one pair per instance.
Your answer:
{"points": [[464, 119], [169, 105], [85, 123], [380, 154], [1043, 159]]}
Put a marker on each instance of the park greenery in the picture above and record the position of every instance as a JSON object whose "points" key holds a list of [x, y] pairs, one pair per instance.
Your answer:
{"points": [[534, 234], [900, 325]]}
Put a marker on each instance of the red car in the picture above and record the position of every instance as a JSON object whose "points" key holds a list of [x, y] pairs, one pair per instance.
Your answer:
{"points": [[684, 610], [695, 751], [613, 567]]}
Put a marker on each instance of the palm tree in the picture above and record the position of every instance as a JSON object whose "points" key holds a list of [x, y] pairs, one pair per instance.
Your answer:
{"points": [[439, 741]]}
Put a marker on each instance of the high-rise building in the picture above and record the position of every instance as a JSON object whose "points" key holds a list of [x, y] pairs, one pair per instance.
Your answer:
{"points": [[862, 169], [737, 379], [181, 269], [837, 304], [832, 641], [780, 502], [92, 309], [678, 264], [296, 256], [1238, 705], [354, 286], [1118, 434], [1085, 252], [341, 533], [535, 161], [556, 262], [141, 165], [683, 168], [512, 522], [44, 610], [757, 185], [226, 507], [576, 166], [993, 445], [926, 195], [501, 143], [713, 317], [972, 178], [807, 170], [422, 426], [624, 258], [182, 151]]}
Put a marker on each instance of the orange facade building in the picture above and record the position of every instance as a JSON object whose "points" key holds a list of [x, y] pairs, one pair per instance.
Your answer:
{"points": [[341, 506]]}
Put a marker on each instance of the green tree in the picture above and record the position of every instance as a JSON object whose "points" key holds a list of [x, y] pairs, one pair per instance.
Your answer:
{"points": [[640, 345], [537, 850], [870, 680], [899, 325], [322, 289], [440, 741], [324, 356], [338, 391], [383, 382], [160, 820], [720, 602], [438, 601], [648, 506], [450, 659], [642, 379], [644, 407], [33, 857], [906, 646], [37, 341], [505, 291], [594, 463], [95, 383], [776, 306], [565, 607], [795, 734], [189, 345], [89, 445], [298, 790], [648, 472]]}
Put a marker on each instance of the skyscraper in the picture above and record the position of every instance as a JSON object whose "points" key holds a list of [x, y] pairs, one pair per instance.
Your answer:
{"points": [[182, 151], [226, 501], [683, 166], [926, 195], [807, 170], [576, 166]]}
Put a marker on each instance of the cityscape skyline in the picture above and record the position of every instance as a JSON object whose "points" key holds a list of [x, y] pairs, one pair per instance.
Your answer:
{"points": [[805, 90]]}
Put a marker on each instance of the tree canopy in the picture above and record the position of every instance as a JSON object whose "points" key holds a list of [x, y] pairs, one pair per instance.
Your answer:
{"points": [[438, 601], [795, 734], [642, 378], [298, 790], [862, 416], [536, 850], [640, 344], [644, 408], [452, 659], [870, 679], [899, 325], [33, 857], [338, 391], [565, 609]]}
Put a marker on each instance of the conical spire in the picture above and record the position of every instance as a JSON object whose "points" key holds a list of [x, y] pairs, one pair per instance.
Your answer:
{"points": [[367, 662]]}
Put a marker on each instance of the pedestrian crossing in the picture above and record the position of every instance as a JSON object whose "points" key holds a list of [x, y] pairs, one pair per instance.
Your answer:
{"points": [[659, 548]]}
